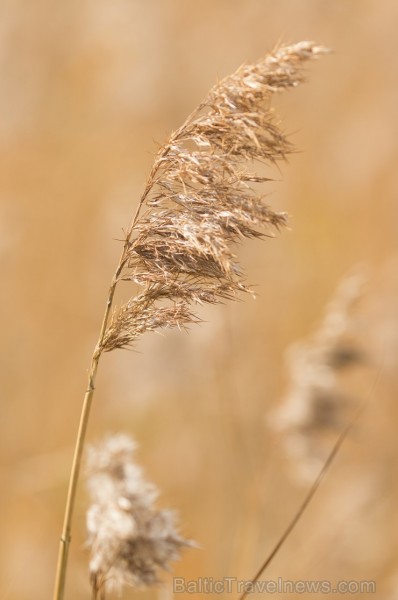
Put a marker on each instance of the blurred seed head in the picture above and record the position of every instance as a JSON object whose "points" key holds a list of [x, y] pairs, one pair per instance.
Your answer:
{"points": [[129, 539], [316, 401]]}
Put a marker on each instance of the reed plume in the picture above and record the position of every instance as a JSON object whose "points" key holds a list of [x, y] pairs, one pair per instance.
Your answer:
{"points": [[200, 201], [129, 539]]}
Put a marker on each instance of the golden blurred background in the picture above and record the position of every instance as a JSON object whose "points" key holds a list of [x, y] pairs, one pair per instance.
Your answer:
{"points": [[88, 90]]}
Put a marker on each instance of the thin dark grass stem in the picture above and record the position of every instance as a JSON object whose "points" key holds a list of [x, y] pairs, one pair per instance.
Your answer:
{"points": [[311, 493]]}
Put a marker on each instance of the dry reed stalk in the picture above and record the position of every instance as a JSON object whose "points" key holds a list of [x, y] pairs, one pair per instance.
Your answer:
{"points": [[251, 584], [198, 204]]}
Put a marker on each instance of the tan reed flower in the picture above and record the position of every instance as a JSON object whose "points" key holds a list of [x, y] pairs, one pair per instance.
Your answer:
{"points": [[129, 539], [199, 202]]}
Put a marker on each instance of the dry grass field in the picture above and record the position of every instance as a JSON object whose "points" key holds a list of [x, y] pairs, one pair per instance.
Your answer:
{"points": [[88, 91]]}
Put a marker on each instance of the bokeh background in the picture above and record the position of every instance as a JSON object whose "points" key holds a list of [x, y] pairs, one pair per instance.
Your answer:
{"points": [[88, 89]]}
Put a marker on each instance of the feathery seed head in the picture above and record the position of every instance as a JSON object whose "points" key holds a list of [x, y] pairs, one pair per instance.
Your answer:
{"points": [[316, 400], [129, 539], [199, 201]]}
